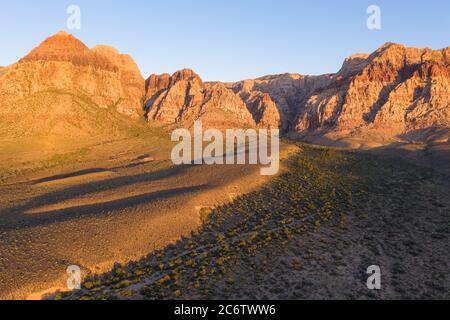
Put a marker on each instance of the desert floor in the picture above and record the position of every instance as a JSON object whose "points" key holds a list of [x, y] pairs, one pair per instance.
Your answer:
{"points": [[224, 231], [93, 207], [311, 233]]}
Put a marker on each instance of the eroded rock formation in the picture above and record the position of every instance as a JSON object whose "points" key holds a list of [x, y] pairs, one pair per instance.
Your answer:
{"points": [[64, 63], [394, 92], [184, 98]]}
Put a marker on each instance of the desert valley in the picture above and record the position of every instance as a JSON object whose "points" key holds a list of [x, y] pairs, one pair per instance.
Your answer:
{"points": [[86, 179]]}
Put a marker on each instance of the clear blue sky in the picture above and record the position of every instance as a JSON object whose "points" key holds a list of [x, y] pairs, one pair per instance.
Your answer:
{"points": [[228, 39]]}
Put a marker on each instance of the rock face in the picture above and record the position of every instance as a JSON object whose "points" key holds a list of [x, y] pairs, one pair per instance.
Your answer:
{"points": [[263, 109], [389, 94], [156, 83], [184, 98], [395, 92], [286, 92], [64, 63], [131, 80]]}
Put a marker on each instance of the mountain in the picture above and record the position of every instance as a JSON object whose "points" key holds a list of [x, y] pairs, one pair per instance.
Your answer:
{"points": [[391, 93], [64, 63], [394, 93], [285, 92], [66, 90], [184, 98]]}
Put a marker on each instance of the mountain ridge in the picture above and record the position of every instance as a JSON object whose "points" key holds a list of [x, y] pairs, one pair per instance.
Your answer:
{"points": [[385, 95]]}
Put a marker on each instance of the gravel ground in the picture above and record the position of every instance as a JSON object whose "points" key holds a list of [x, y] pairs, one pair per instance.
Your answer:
{"points": [[310, 234], [96, 216]]}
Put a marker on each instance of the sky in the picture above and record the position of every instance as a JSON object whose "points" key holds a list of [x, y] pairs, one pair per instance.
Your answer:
{"points": [[228, 40]]}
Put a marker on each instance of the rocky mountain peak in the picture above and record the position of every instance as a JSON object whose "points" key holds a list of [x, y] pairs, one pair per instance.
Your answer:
{"points": [[123, 61], [106, 51], [354, 64], [64, 47], [64, 63], [156, 83], [62, 33], [61, 46], [394, 91], [184, 75], [183, 98]]}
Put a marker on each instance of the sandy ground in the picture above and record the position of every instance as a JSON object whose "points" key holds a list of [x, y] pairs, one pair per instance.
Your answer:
{"points": [[310, 234], [98, 213]]}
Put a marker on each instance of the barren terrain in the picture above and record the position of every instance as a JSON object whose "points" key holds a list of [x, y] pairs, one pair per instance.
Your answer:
{"points": [[113, 202], [86, 179], [309, 234]]}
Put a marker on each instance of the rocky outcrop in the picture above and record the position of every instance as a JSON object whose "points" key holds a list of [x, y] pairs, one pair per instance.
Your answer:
{"points": [[264, 110], [156, 83], [353, 65], [64, 63], [286, 91], [171, 99], [184, 98], [132, 82], [382, 96], [392, 92]]}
